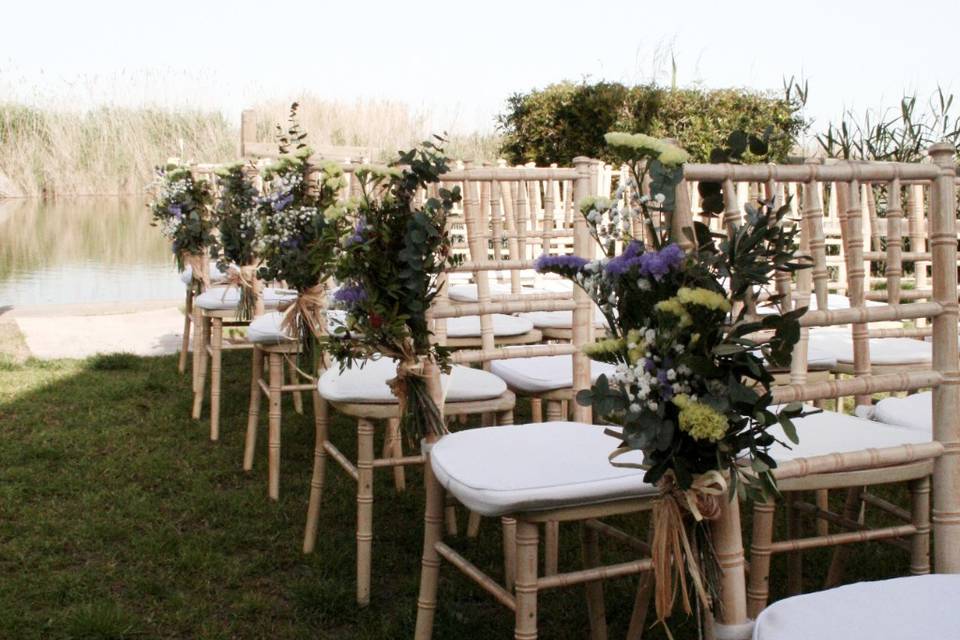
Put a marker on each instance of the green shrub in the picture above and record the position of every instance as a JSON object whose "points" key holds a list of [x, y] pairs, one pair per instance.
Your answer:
{"points": [[568, 119]]}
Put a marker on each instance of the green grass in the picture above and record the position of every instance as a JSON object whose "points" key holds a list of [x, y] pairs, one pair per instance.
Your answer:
{"points": [[120, 519]]}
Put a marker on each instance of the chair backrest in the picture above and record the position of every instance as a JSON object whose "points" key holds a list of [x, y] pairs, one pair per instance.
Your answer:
{"points": [[482, 260]]}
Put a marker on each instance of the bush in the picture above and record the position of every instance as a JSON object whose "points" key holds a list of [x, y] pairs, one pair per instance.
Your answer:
{"points": [[565, 120]]}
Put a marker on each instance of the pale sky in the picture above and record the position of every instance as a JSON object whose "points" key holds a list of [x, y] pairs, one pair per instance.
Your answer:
{"points": [[461, 61]]}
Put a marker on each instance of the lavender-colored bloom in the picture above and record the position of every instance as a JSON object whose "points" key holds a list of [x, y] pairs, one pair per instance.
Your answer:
{"points": [[280, 201], [564, 265], [658, 264], [176, 210], [622, 263], [349, 295], [290, 243], [649, 365]]}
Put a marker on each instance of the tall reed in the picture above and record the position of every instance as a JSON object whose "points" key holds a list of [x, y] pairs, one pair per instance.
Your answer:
{"points": [[60, 152]]}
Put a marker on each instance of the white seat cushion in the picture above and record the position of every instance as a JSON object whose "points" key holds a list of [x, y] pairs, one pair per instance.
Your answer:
{"points": [[502, 470], [227, 298], [914, 411], [369, 384], [267, 329], [829, 432], [468, 292], [900, 609], [560, 319], [883, 351], [215, 274], [503, 325], [543, 373]]}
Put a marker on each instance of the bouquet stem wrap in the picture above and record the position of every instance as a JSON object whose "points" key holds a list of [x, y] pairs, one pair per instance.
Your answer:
{"points": [[244, 279], [305, 319], [420, 399], [675, 551]]}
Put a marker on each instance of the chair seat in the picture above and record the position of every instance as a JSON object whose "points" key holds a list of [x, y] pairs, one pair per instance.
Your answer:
{"points": [[560, 319], [227, 298], [883, 351], [502, 470], [186, 276], [368, 385], [543, 373], [914, 412], [267, 329], [898, 609], [830, 432], [503, 325]]}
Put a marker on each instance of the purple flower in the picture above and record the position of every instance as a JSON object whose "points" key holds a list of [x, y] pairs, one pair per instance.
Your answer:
{"points": [[349, 295], [622, 263], [280, 201], [176, 210], [649, 365], [564, 265], [357, 236], [657, 264]]}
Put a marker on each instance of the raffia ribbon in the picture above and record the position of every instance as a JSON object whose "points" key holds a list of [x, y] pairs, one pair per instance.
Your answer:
{"points": [[245, 280], [309, 306], [410, 365], [674, 555], [198, 268]]}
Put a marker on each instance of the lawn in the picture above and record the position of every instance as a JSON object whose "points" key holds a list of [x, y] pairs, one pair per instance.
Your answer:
{"points": [[120, 519]]}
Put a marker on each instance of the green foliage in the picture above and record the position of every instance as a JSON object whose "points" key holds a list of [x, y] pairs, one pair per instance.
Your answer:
{"points": [[236, 215], [902, 134], [568, 119], [388, 268], [182, 209]]}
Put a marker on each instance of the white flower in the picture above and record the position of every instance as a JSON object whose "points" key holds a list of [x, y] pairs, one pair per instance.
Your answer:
{"points": [[660, 198], [635, 408], [653, 406], [671, 375]]}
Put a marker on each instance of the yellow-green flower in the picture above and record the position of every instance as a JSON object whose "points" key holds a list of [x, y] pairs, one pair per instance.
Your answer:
{"points": [[636, 346], [636, 141], [673, 155], [601, 348], [674, 307], [702, 422], [599, 203], [334, 212], [703, 298]]}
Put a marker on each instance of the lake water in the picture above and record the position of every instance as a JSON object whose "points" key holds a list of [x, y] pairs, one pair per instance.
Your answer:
{"points": [[83, 250]]}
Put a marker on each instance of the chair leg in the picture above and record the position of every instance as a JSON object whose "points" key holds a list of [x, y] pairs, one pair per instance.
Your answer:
{"points": [[822, 497], [536, 410], [274, 417], [473, 525], [430, 562], [253, 412], [364, 509], [794, 532], [590, 548], [216, 363], [851, 511], [509, 526], [187, 323], [293, 378], [641, 605], [505, 418], [758, 587], [525, 625], [321, 424], [920, 515], [450, 516], [554, 410], [197, 322], [393, 448], [200, 360], [551, 548]]}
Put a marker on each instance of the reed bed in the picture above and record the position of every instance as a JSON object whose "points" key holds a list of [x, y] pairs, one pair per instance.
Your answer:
{"points": [[46, 152]]}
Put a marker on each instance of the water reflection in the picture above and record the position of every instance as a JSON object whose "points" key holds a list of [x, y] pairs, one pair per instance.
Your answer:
{"points": [[82, 250]]}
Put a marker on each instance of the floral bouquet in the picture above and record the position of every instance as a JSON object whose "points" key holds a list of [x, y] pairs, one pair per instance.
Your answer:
{"points": [[692, 384], [237, 215], [182, 209], [301, 222], [388, 268]]}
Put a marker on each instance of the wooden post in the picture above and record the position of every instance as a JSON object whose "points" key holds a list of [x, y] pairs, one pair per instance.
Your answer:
{"points": [[728, 542], [894, 265], [853, 247], [248, 130], [583, 314], [946, 396], [917, 236]]}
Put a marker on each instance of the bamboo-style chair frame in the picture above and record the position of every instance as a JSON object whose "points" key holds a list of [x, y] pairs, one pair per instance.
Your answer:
{"points": [[941, 454]]}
